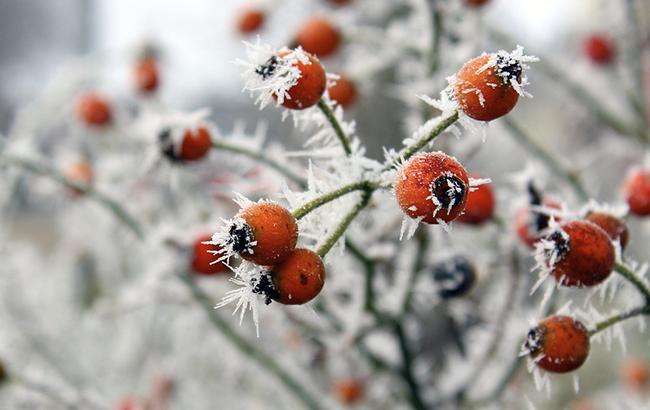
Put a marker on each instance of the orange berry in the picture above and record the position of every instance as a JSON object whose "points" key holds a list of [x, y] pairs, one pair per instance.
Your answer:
{"points": [[599, 48], [344, 92], [93, 110], [558, 344], [530, 224], [202, 260], [127, 404], [264, 233], [319, 37], [614, 227], [340, 2], [310, 86], [636, 373], [80, 172], [584, 254], [485, 93], [636, 190], [480, 205], [432, 186], [298, 278], [145, 75], [250, 20], [476, 3], [196, 144], [349, 391]]}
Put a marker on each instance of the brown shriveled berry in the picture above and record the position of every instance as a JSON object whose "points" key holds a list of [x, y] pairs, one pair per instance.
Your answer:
{"points": [[344, 92], [432, 186], [615, 228], [584, 254], [319, 36], [636, 190], [484, 92], [558, 344], [349, 391], [480, 205], [298, 278], [264, 233]]}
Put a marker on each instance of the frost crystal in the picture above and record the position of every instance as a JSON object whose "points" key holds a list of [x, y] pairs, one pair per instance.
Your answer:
{"points": [[511, 67]]}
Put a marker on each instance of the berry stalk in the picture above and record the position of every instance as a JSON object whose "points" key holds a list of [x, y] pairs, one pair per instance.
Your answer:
{"points": [[546, 157], [249, 349], [345, 223], [409, 151], [641, 310], [365, 185], [336, 125], [629, 274], [50, 172]]}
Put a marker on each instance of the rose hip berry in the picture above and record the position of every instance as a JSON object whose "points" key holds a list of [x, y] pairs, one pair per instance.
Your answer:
{"points": [[636, 190], [264, 233], [432, 186], [476, 3], [558, 344], [484, 92], [349, 391], [344, 92], [319, 37], [530, 224], [310, 86], [250, 20], [145, 75], [298, 278], [583, 253], [340, 2], [480, 205], [636, 373], [202, 259], [599, 48], [454, 276], [192, 146], [93, 110], [614, 227], [82, 173]]}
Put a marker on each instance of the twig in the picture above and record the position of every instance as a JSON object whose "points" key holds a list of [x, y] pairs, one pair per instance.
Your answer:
{"points": [[343, 225], [329, 114], [415, 395], [331, 196], [600, 326], [629, 274]]}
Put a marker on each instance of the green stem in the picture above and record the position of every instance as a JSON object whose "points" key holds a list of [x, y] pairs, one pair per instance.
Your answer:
{"points": [[249, 349], [546, 157], [407, 369], [237, 149], [329, 197], [329, 114], [629, 274], [600, 326], [408, 152], [418, 265], [369, 268], [345, 223], [50, 172], [638, 99]]}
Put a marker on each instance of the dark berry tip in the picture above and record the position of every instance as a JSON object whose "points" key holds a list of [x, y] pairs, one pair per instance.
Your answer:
{"points": [[265, 287], [447, 190], [166, 143], [509, 69], [533, 343], [240, 237], [561, 243], [454, 277], [267, 69]]}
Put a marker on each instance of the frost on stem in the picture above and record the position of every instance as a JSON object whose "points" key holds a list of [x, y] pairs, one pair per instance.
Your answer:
{"points": [[270, 75]]}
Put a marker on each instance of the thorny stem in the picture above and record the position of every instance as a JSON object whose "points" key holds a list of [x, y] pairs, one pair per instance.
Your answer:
{"points": [[581, 94], [249, 349], [408, 152], [329, 114], [50, 172], [546, 157], [600, 326], [343, 225], [230, 147], [629, 274], [415, 395], [329, 197]]}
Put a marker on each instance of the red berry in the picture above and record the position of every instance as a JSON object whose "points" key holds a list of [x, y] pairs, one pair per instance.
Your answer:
{"points": [[558, 344], [344, 92], [599, 49], [614, 227], [476, 3], [145, 75], [480, 205], [340, 2], [485, 94], [264, 233], [127, 404], [636, 373], [584, 254], [93, 110], [196, 144], [298, 278], [531, 224], [202, 259], [432, 186], [310, 86], [349, 391], [319, 37], [636, 189], [250, 20]]}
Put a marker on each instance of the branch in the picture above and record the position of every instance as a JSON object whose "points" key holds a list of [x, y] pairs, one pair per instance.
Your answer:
{"points": [[344, 224], [629, 274], [329, 114], [331, 196], [641, 310]]}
